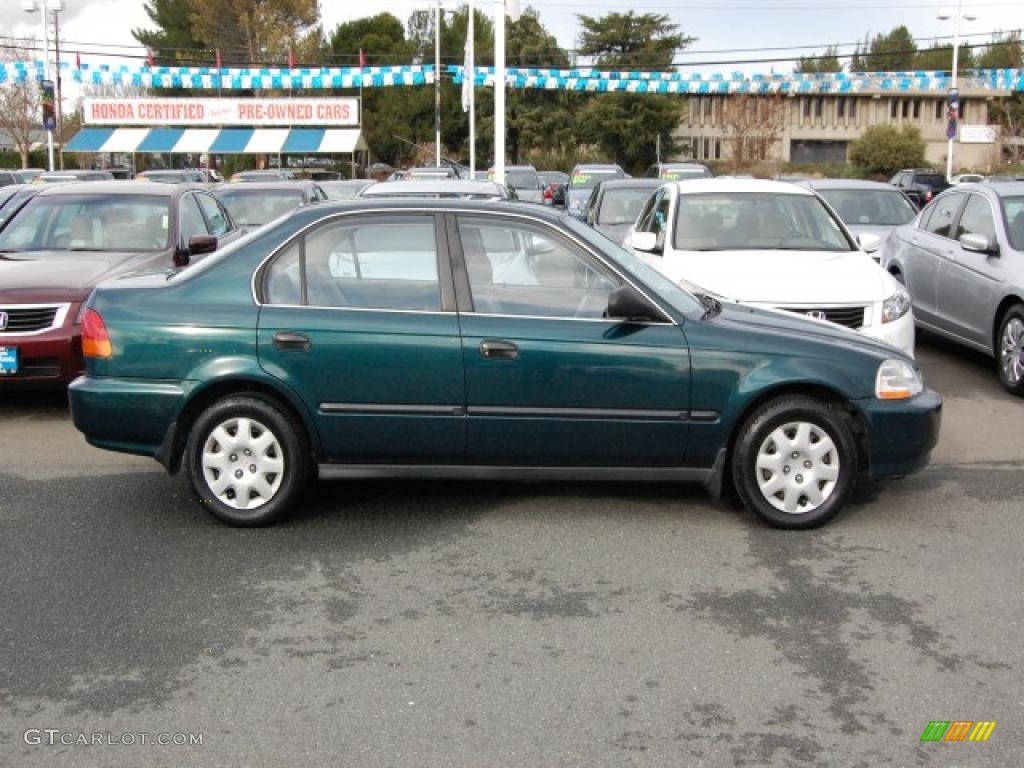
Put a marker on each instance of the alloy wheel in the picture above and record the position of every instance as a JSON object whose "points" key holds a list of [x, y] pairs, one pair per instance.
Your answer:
{"points": [[1011, 351]]}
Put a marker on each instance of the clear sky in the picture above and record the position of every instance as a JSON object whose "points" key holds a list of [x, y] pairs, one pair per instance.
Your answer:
{"points": [[726, 30]]}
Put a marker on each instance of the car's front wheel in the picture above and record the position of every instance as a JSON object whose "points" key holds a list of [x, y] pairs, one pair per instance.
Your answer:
{"points": [[1010, 350], [795, 461], [245, 460]]}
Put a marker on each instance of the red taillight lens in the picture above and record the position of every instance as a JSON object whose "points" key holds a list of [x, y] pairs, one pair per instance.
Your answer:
{"points": [[548, 194], [928, 196], [95, 339]]}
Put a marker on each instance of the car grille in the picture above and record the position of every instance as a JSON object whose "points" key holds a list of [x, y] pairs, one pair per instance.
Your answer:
{"points": [[851, 317], [28, 319]]}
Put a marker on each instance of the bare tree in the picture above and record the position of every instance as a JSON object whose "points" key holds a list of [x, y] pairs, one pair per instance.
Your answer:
{"points": [[752, 125], [1008, 114], [21, 108]]}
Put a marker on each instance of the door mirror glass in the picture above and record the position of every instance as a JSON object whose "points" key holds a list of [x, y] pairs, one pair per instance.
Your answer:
{"points": [[868, 242], [646, 242], [626, 303], [978, 244]]}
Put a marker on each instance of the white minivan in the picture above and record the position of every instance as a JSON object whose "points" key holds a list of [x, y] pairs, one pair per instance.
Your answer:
{"points": [[775, 245]]}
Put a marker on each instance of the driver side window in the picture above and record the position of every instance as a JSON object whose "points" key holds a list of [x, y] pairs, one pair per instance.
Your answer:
{"points": [[518, 269], [645, 222], [190, 221]]}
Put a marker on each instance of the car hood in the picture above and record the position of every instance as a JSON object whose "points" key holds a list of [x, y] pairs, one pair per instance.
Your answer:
{"points": [[62, 276], [780, 277]]}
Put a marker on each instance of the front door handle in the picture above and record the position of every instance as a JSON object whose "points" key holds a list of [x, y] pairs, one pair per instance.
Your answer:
{"points": [[286, 340], [500, 350]]}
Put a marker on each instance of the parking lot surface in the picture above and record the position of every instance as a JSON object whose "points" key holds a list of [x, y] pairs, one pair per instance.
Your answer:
{"points": [[489, 624]]}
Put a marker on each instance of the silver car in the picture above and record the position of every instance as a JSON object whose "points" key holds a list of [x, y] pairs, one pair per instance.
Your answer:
{"points": [[866, 207], [962, 260]]}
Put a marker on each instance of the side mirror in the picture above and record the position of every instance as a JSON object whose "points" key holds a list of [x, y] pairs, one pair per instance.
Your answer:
{"points": [[646, 242], [626, 303], [200, 244], [869, 242], [979, 244]]}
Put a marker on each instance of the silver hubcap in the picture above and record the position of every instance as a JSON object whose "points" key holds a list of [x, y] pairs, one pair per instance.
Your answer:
{"points": [[1011, 353], [797, 467], [243, 463]]}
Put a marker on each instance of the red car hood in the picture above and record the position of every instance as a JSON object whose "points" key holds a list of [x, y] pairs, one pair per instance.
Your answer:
{"points": [[38, 276]]}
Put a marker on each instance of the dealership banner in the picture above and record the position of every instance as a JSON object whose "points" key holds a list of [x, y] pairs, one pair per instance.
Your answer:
{"points": [[215, 112]]}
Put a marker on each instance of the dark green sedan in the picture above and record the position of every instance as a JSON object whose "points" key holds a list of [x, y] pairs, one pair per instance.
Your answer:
{"points": [[460, 339]]}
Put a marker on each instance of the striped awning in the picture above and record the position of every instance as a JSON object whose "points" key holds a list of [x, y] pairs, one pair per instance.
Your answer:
{"points": [[226, 141]]}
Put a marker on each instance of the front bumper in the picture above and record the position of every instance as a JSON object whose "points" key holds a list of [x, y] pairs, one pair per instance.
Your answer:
{"points": [[899, 333], [52, 358], [901, 433], [126, 415]]}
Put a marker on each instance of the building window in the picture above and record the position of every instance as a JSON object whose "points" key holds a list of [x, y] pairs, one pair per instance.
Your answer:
{"points": [[840, 107], [806, 106], [852, 109], [917, 109], [718, 149], [819, 105], [940, 111], [894, 112]]}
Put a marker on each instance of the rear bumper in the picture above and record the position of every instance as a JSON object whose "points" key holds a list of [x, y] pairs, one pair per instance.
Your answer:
{"points": [[901, 433], [126, 415]]}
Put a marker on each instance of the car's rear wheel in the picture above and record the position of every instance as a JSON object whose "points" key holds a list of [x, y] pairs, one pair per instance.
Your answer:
{"points": [[795, 461], [1010, 350], [245, 460]]}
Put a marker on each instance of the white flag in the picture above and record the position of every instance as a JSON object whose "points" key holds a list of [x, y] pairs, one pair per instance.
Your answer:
{"points": [[467, 77]]}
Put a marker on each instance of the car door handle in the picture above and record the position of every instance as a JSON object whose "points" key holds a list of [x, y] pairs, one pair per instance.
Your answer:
{"points": [[500, 350], [285, 340]]}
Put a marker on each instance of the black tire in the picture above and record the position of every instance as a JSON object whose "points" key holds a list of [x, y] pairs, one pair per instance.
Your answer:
{"points": [[1014, 387], [290, 443], [825, 419]]}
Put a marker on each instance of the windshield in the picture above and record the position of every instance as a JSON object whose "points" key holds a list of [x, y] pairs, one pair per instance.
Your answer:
{"points": [[521, 179], [1013, 212], [254, 208], [137, 223], [879, 207], [622, 206], [588, 179], [931, 179], [341, 191], [756, 221], [664, 289]]}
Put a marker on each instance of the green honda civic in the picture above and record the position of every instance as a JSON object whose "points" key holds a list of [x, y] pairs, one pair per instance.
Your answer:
{"points": [[488, 341]]}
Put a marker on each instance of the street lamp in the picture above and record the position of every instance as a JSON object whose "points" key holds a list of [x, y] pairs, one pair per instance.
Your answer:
{"points": [[954, 92], [501, 8], [54, 7]]}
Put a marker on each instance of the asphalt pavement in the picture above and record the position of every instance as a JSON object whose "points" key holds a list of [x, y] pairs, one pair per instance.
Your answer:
{"points": [[490, 624]]}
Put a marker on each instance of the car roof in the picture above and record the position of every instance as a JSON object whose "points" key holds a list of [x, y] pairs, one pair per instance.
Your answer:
{"points": [[636, 183], [311, 213], [1000, 188], [598, 167], [256, 186], [846, 184], [720, 184], [108, 187], [433, 186]]}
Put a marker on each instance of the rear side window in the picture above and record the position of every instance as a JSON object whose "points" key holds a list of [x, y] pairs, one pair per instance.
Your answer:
{"points": [[940, 221], [385, 263]]}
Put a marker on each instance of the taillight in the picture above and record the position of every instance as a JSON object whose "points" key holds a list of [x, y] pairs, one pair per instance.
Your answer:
{"points": [[548, 194], [928, 196], [95, 339]]}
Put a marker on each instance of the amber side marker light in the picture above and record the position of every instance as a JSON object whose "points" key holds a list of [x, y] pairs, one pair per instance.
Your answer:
{"points": [[95, 339]]}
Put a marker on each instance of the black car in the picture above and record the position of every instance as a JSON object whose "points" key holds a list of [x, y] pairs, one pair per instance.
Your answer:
{"points": [[920, 185]]}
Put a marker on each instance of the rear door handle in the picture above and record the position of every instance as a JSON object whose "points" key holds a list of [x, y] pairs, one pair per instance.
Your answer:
{"points": [[286, 340], [500, 350]]}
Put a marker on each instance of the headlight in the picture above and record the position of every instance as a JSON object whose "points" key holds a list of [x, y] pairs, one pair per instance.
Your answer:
{"points": [[896, 306], [897, 380]]}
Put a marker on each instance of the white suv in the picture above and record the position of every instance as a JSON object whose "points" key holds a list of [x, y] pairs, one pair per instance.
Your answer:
{"points": [[771, 244]]}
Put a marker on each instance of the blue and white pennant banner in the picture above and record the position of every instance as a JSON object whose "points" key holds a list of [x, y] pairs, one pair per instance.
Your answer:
{"points": [[211, 78]]}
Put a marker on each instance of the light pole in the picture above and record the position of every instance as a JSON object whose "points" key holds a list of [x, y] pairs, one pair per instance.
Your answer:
{"points": [[438, 15], [55, 7], [501, 8], [958, 15]]}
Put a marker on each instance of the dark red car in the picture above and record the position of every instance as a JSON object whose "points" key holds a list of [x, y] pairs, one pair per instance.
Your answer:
{"points": [[70, 237]]}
